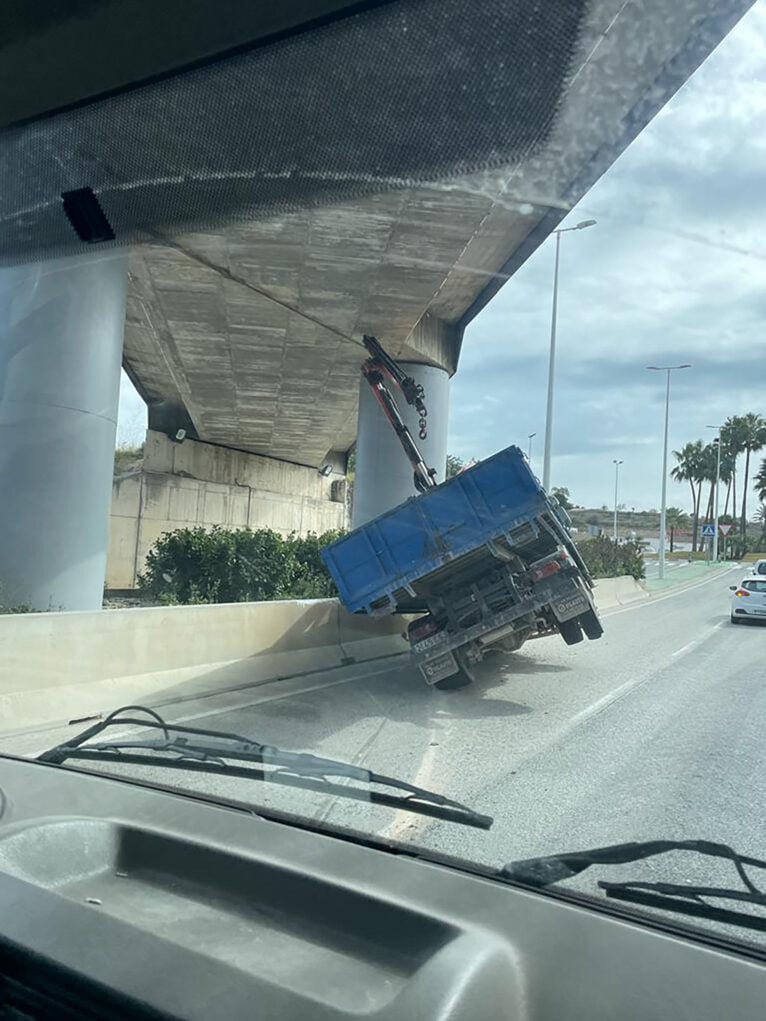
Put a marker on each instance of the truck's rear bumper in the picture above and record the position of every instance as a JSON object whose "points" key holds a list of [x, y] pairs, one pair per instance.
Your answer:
{"points": [[571, 598]]}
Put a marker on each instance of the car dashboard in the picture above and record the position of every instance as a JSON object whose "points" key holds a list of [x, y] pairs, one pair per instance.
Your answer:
{"points": [[120, 900]]}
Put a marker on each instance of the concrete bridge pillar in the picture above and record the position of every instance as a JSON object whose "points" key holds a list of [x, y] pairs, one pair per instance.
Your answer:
{"points": [[61, 328], [383, 476]]}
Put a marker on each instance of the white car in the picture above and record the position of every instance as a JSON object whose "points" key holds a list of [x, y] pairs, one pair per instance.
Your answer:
{"points": [[759, 568], [749, 600]]}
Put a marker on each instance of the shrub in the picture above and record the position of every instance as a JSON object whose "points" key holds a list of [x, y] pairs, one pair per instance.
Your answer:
{"points": [[218, 565], [312, 580], [608, 559], [197, 565]]}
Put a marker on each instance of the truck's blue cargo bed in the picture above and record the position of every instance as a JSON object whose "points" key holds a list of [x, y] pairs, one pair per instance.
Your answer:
{"points": [[410, 541]]}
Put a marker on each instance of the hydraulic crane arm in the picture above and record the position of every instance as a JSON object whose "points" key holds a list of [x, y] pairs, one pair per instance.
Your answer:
{"points": [[376, 369]]}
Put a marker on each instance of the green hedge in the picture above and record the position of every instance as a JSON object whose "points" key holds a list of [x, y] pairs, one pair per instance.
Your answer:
{"points": [[608, 559], [218, 565]]}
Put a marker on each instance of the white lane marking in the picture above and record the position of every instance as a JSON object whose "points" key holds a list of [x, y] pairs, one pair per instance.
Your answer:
{"points": [[404, 823], [597, 706], [697, 641], [613, 696], [687, 648]]}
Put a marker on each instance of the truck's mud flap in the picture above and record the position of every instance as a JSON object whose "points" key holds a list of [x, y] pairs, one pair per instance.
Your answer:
{"points": [[570, 606], [438, 668]]}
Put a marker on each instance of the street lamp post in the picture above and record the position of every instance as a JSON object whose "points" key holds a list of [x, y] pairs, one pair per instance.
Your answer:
{"points": [[717, 442], [667, 369], [530, 438], [616, 464], [552, 356]]}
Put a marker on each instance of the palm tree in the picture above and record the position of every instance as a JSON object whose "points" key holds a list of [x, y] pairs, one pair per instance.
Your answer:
{"points": [[689, 459], [732, 436], [675, 519], [727, 473], [728, 463], [760, 517], [753, 438], [760, 482], [707, 473]]}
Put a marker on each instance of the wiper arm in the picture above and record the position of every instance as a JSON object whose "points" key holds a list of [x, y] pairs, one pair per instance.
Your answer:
{"points": [[205, 751], [554, 868], [684, 899], [688, 900]]}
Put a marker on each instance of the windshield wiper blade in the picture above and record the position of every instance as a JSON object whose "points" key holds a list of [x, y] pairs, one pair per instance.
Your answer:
{"points": [[293, 769], [554, 868], [688, 900]]}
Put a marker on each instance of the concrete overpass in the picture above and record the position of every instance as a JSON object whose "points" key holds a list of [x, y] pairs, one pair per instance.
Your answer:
{"points": [[224, 333], [246, 337]]}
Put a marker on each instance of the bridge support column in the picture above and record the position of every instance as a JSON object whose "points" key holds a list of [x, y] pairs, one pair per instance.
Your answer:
{"points": [[383, 476], [61, 329]]}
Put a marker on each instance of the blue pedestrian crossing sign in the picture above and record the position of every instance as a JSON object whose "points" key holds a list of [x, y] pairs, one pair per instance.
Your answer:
{"points": [[708, 530]]}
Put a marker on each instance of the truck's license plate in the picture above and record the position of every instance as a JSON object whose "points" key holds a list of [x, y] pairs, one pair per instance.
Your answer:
{"points": [[565, 608], [437, 669], [430, 642]]}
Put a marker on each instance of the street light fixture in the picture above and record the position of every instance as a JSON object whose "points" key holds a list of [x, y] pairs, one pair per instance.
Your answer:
{"points": [[717, 443], [552, 356], [667, 369], [616, 464], [530, 437]]}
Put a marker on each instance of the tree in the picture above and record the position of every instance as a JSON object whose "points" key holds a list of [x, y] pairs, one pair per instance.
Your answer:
{"points": [[733, 434], [708, 467], [760, 517], [455, 464], [562, 495], [689, 469], [727, 477], [760, 481], [675, 518], [753, 438]]}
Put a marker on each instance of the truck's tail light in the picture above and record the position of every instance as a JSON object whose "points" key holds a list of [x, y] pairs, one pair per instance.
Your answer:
{"points": [[741, 592], [550, 568], [422, 628]]}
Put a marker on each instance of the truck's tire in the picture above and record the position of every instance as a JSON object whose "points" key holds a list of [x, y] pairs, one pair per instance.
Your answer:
{"points": [[570, 631], [455, 681], [591, 625], [462, 678]]}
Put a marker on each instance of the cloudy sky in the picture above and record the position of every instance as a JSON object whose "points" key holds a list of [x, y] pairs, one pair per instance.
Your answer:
{"points": [[674, 271]]}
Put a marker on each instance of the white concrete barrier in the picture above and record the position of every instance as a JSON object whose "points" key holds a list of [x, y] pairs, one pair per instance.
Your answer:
{"points": [[611, 592], [57, 666]]}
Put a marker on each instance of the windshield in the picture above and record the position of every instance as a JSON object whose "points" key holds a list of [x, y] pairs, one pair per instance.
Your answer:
{"points": [[444, 469]]}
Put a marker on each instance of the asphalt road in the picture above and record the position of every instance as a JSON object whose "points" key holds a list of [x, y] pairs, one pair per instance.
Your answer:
{"points": [[654, 731]]}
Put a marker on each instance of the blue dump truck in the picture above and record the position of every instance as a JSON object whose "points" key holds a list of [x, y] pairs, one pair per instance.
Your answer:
{"points": [[484, 560]]}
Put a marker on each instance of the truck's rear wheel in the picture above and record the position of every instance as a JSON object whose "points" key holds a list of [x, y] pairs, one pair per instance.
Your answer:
{"points": [[462, 678], [570, 631], [591, 625]]}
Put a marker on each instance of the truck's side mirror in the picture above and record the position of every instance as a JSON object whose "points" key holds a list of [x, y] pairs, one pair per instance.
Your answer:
{"points": [[732, 588]]}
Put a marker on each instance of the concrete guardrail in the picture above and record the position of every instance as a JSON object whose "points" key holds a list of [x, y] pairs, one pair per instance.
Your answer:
{"points": [[57, 666], [611, 592]]}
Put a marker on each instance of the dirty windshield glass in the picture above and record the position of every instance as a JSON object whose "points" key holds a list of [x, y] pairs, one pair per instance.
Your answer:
{"points": [[390, 449]]}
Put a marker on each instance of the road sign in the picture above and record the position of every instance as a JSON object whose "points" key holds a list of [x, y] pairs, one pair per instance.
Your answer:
{"points": [[725, 529], [708, 530]]}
